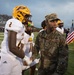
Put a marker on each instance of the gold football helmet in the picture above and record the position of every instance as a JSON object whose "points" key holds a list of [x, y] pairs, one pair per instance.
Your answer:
{"points": [[21, 13], [59, 22]]}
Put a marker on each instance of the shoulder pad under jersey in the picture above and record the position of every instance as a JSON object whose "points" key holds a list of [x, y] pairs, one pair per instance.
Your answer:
{"points": [[14, 25]]}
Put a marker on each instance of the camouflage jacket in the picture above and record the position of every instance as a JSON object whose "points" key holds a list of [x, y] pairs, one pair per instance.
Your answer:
{"points": [[53, 51]]}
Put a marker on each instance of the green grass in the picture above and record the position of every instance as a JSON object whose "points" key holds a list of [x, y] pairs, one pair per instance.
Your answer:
{"points": [[70, 70], [35, 34], [71, 46], [1, 37]]}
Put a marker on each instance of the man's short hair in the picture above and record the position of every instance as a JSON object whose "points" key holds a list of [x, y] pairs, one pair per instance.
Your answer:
{"points": [[43, 24]]}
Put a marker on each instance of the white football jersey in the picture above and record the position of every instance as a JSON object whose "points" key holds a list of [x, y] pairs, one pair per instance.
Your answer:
{"points": [[41, 30], [14, 25], [26, 41], [61, 30]]}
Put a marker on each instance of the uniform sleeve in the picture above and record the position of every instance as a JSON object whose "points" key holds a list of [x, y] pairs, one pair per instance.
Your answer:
{"points": [[36, 48], [13, 25], [62, 58]]}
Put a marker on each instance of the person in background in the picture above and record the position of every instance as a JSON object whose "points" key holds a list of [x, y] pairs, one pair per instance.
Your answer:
{"points": [[67, 32], [11, 48], [60, 25], [43, 25], [28, 44], [53, 48]]}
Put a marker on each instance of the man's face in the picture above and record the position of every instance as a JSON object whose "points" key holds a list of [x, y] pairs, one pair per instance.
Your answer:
{"points": [[51, 25], [29, 28]]}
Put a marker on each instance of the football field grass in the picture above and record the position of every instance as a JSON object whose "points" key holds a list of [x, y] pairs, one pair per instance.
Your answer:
{"points": [[70, 70]]}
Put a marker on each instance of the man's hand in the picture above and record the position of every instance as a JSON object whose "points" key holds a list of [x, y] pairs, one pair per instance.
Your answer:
{"points": [[27, 60], [25, 63]]}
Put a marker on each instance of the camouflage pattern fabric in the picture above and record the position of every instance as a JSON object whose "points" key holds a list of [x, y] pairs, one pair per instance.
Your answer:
{"points": [[54, 53]]}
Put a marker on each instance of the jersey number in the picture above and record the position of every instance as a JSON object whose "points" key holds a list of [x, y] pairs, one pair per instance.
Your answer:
{"points": [[10, 24]]}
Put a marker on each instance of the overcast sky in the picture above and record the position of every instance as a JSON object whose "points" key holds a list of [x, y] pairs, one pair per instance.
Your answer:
{"points": [[40, 8]]}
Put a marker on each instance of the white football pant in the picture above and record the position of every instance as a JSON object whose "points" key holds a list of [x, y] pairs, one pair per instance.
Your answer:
{"points": [[9, 65]]}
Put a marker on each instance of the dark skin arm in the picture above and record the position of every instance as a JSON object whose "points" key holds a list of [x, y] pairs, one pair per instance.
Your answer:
{"points": [[12, 45]]}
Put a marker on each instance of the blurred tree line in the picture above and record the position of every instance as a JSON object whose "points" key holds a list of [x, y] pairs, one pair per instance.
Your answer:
{"points": [[3, 19]]}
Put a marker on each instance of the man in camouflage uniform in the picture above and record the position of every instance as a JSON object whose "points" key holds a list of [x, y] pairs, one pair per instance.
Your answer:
{"points": [[53, 48]]}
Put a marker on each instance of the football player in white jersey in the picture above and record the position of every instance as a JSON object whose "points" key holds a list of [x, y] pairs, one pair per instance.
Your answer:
{"points": [[28, 47], [13, 34], [60, 26]]}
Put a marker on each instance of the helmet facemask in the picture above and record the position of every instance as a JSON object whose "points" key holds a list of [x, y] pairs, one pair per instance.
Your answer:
{"points": [[26, 19]]}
